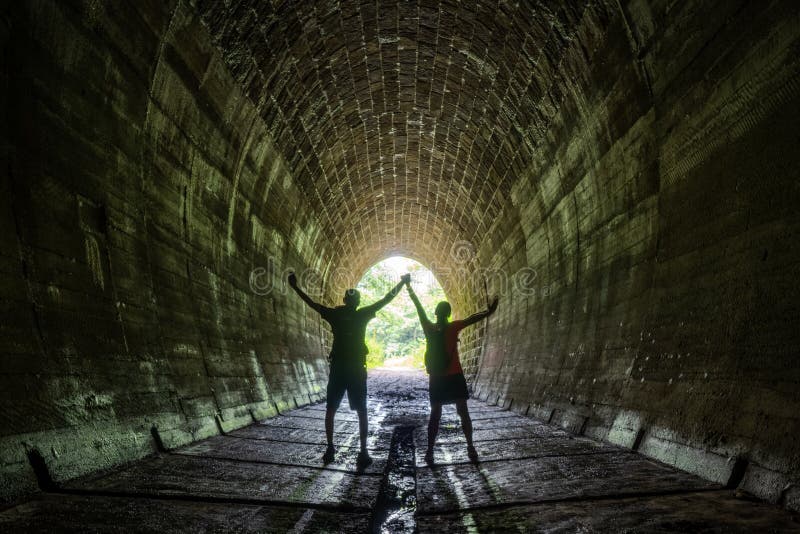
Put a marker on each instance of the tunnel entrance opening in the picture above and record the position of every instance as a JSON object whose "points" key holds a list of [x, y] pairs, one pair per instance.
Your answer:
{"points": [[396, 340]]}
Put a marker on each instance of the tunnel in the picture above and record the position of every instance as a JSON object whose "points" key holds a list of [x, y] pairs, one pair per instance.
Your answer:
{"points": [[623, 174]]}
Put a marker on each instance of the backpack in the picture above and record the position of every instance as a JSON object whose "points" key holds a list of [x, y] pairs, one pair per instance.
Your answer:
{"points": [[436, 357]]}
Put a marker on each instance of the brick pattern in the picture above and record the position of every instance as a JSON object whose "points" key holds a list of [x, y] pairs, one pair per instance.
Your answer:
{"points": [[616, 149], [404, 122], [142, 188], [639, 157], [659, 216]]}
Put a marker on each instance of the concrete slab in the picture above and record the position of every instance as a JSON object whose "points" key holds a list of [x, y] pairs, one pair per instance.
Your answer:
{"points": [[317, 414], [294, 421], [321, 408], [374, 403], [715, 511], [269, 477], [378, 438], [177, 475], [547, 479], [297, 454], [492, 423], [491, 416], [488, 451], [78, 513], [453, 433], [490, 419], [481, 407]]}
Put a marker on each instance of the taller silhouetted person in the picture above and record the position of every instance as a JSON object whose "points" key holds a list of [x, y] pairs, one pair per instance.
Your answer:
{"points": [[447, 384], [348, 358]]}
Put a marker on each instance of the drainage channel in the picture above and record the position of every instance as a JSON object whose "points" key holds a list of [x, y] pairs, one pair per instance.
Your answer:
{"points": [[397, 501]]}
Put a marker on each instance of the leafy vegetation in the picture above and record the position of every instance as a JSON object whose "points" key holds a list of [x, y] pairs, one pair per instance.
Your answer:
{"points": [[395, 336], [376, 356]]}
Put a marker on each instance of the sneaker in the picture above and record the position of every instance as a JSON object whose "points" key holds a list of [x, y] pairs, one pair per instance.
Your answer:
{"points": [[472, 454], [330, 452], [364, 459], [429, 457]]}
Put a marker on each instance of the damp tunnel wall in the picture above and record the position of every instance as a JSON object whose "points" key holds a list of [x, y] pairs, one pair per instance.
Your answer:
{"points": [[139, 191], [637, 160], [659, 217]]}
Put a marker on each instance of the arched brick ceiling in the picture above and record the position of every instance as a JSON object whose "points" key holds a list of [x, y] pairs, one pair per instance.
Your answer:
{"points": [[403, 122]]}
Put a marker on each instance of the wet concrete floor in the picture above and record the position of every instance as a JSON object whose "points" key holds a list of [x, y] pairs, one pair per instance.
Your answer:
{"points": [[269, 477]]}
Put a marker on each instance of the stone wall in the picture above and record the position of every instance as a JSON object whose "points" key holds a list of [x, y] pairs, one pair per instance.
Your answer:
{"points": [[660, 215], [637, 159], [139, 189]]}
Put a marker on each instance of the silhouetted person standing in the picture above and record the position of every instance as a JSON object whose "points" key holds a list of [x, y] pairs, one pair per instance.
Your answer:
{"points": [[348, 359], [447, 384]]}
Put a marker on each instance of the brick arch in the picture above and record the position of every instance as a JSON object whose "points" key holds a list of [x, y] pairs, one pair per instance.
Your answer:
{"points": [[405, 122], [573, 139], [639, 157]]}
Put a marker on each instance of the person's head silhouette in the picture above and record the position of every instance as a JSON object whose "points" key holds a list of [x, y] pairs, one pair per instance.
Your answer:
{"points": [[442, 312], [352, 298]]}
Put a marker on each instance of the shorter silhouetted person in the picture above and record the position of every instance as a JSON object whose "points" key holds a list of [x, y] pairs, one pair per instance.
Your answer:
{"points": [[447, 384], [348, 357]]}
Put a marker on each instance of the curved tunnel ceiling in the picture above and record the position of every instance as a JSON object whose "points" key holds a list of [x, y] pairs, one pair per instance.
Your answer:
{"points": [[635, 161], [404, 123]]}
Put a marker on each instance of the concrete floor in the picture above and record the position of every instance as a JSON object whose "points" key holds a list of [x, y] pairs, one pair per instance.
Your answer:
{"points": [[268, 477]]}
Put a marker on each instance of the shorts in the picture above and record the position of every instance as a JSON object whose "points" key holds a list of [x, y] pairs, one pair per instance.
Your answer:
{"points": [[354, 382], [447, 389]]}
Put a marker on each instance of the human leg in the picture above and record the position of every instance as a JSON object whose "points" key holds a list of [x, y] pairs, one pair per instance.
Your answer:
{"points": [[433, 429], [466, 421], [364, 458], [330, 451], [363, 427], [466, 425], [335, 392], [357, 396]]}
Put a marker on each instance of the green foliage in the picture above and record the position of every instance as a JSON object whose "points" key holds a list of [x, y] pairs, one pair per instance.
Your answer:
{"points": [[417, 355], [396, 332], [375, 357]]}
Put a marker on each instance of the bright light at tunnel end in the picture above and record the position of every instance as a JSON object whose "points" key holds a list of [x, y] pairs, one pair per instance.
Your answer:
{"points": [[400, 265], [462, 271]]}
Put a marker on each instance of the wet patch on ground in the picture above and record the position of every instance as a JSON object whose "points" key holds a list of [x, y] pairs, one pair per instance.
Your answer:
{"points": [[710, 512], [282, 453], [547, 479], [55, 513], [396, 508], [269, 477], [512, 450]]}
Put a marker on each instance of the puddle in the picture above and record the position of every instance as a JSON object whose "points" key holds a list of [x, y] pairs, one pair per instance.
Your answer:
{"points": [[397, 501]]}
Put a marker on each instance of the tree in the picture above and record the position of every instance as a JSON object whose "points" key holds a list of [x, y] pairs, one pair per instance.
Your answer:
{"points": [[396, 332]]}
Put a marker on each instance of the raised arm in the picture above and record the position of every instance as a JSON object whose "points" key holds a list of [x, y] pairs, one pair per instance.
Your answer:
{"points": [[423, 318], [376, 306], [475, 317], [316, 306]]}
